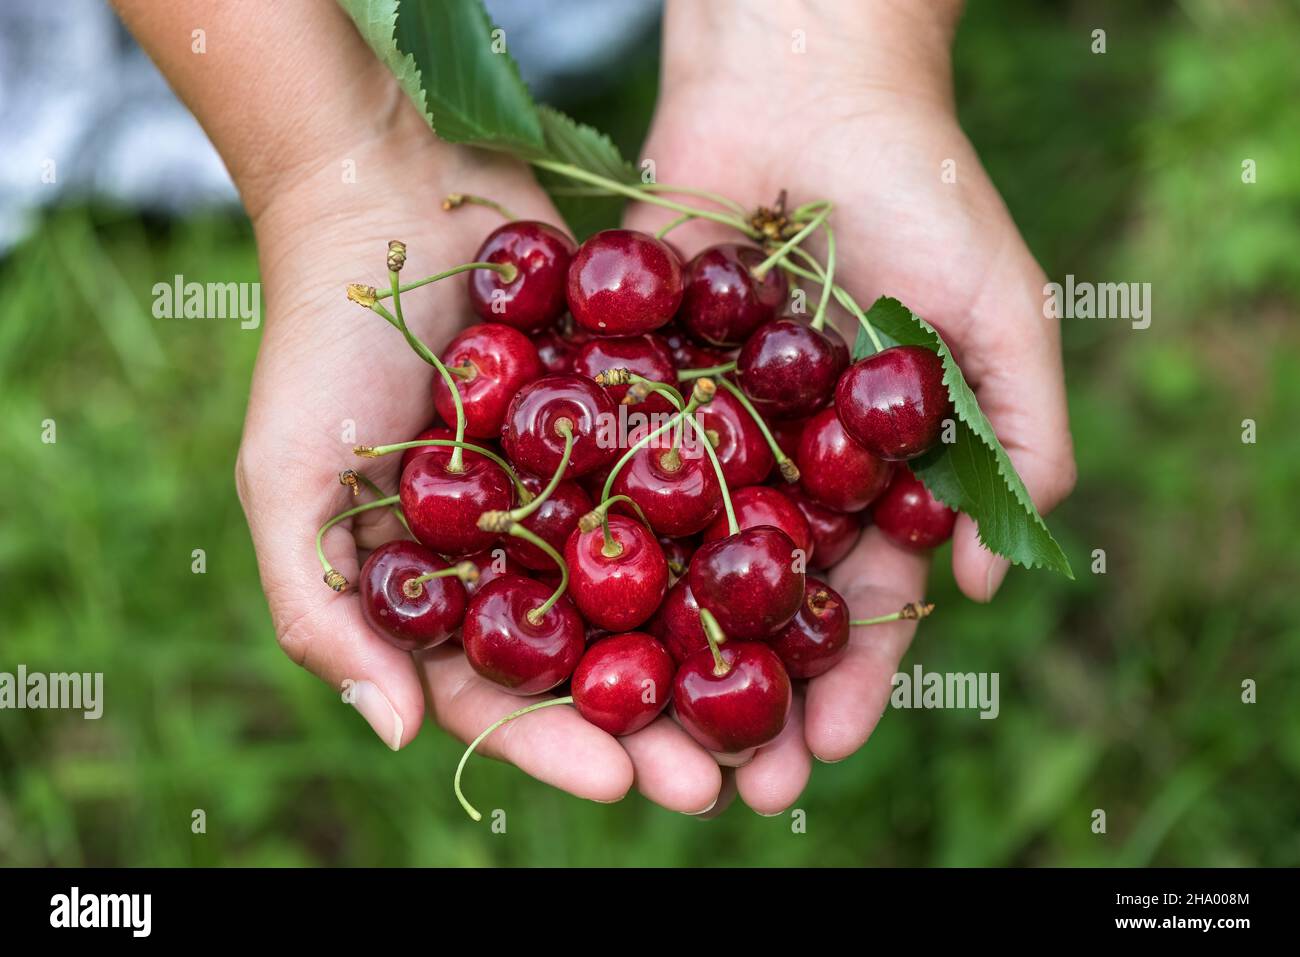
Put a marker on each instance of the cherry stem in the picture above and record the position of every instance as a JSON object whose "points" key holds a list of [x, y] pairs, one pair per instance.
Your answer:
{"points": [[508, 271], [684, 375], [456, 200], [374, 451], [350, 478], [789, 471], [610, 548], [841, 295], [718, 198], [808, 209], [465, 571], [565, 427], [460, 768], [669, 227], [675, 420], [537, 614], [783, 250], [912, 611], [819, 319], [714, 635], [333, 577], [642, 194]]}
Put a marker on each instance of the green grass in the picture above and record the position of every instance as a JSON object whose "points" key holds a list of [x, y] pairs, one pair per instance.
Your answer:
{"points": [[1120, 691]]}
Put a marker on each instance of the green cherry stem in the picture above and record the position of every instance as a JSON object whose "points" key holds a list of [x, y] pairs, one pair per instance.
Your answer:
{"points": [[600, 516], [685, 375], [537, 614], [819, 318], [507, 271], [669, 227], [912, 611], [565, 427], [456, 200], [465, 571], [714, 635], [789, 471], [374, 451], [333, 577], [700, 393], [733, 527], [783, 250], [841, 295], [718, 198], [351, 478], [460, 768]]}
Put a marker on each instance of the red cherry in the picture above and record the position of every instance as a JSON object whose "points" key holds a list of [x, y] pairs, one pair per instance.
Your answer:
{"points": [[676, 489], [744, 708], [834, 469], [505, 645], [910, 515], [759, 505], [787, 433], [645, 355], [500, 360], [620, 588], [552, 522], [492, 563], [748, 581], [535, 297], [531, 439], [443, 507], [834, 533], [677, 553], [623, 682], [723, 303], [742, 451], [422, 618], [558, 344], [443, 452], [677, 623], [687, 354], [622, 282], [817, 637], [789, 369], [894, 402]]}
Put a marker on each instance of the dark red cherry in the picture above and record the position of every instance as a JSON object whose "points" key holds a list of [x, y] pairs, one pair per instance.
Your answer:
{"points": [[910, 515], [687, 354], [817, 637], [531, 439], [744, 708], [677, 553], [443, 452], [676, 488], [894, 402], [834, 533], [724, 304], [616, 587], [426, 616], [677, 623], [748, 581], [623, 282], [787, 433], [557, 517], [492, 563], [623, 682], [498, 360], [834, 469], [789, 369], [442, 507], [505, 645], [645, 355], [741, 449], [535, 298], [760, 505]]}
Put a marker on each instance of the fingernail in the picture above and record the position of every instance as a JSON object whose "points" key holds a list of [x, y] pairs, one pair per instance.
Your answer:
{"points": [[737, 759], [773, 814], [703, 810], [997, 572], [379, 714], [610, 801], [827, 761]]}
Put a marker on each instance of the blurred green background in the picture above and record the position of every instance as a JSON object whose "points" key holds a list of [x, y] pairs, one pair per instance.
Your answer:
{"points": [[1119, 691]]}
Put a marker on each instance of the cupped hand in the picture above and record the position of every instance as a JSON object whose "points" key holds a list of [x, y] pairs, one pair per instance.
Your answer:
{"points": [[915, 217]]}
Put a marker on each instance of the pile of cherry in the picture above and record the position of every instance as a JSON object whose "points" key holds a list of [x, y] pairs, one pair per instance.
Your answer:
{"points": [[654, 558]]}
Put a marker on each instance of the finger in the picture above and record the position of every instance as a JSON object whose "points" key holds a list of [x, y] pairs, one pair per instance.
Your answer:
{"points": [[554, 745], [779, 772], [323, 631], [671, 769], [725, 797], [1019, 380], [843, 705]]}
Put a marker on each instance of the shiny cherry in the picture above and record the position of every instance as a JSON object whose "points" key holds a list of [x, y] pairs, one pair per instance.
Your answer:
{"points": [[442, 452], [894, 402], [748, 581], [744, 707], [687, 353], [741, 449], [789, 369], [531, 439], [677, 623], [622, 282], [834, 469], [760, 505], [410, 617], [646, 355], [552, 522], [442, 507], [506, 646], [677, 553], [724, 303], [817, 637], [535, 297], [910, 515], [787, 433], [616, 586], [622, 682], [676, 489], [834, 533], [498, 360], [558, 344], [492, 563]]}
